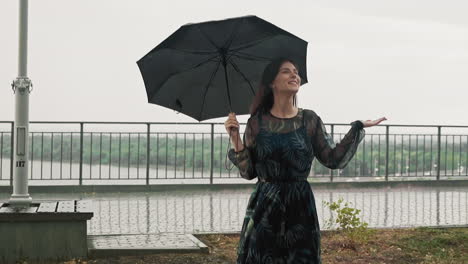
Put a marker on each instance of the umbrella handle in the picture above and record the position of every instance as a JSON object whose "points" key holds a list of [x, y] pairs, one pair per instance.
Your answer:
{"points": [[233, 129]]}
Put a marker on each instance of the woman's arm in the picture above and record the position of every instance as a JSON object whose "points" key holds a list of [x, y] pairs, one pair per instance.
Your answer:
{"points": [[243, 158], [336, 156]]}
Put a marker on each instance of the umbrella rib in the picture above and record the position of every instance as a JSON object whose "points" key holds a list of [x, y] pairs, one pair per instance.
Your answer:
{"points": [[207, 86], [249, 57], [199, 64], [192, 52], [186, 70], [248, 45], [243, 76], [234, 33], [206, 36]]}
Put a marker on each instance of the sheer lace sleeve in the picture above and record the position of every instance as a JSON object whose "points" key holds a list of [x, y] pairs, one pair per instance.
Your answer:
{"points": [[243, 159], [336, 156]]}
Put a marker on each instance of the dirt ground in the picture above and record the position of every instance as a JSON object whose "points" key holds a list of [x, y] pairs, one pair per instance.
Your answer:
{"points": [[419, 245]]}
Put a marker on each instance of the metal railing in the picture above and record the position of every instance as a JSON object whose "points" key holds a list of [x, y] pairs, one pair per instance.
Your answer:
{"points": [[147, 153]]}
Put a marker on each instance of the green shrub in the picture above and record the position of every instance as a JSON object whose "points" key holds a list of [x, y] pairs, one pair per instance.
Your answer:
{"points": [[348, 221]]}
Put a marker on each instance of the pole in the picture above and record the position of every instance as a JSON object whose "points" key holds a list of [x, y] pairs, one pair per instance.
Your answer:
{"points": [[148, 146], [212, 154], [387, 134], [331, 171], [438, 151], [21, 87], [80, 179], [12, 154]]}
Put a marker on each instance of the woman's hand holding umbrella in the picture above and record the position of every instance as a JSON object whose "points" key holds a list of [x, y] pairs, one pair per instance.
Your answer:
{"points": [[232, 127]]}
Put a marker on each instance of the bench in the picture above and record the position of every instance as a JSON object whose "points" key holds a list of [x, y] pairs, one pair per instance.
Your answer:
{"points": [[46, 230]]}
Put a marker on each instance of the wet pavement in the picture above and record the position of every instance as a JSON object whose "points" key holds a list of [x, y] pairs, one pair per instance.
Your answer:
{"points": [[112, 245], [223, 211]]}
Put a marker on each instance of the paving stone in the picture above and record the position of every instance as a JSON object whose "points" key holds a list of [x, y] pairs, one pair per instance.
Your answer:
{"points": [[134, 244]]}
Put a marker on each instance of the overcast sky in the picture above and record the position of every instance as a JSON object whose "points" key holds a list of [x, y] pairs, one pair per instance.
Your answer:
{"points": [[405, 60]]}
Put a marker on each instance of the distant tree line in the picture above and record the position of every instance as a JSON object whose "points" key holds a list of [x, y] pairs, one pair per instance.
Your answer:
{"points": [[164, 150]]}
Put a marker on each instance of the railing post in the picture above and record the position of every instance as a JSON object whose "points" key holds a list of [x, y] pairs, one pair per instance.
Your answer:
{"points": [[212, 153], [438, 151], [147, 152], [386, 151], [12, 142], [331, 171], [81, 154]]}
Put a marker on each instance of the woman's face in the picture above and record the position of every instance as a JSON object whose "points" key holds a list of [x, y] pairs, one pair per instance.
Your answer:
{"points": [[287, 80]]}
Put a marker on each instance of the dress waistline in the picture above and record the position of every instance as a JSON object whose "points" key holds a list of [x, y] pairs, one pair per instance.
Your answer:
{"points": [[281, 180]]}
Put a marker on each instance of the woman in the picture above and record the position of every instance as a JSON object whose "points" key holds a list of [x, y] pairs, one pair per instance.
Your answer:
{"points": [[279, 145]]}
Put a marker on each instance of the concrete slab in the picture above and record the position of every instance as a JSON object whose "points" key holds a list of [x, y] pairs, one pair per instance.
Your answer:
{"points": [[138, 244]]}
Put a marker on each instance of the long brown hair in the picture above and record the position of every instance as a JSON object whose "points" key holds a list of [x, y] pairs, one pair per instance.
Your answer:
{"points": [[264, 99]]}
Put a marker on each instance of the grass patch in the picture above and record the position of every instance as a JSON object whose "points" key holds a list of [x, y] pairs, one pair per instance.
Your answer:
{"points": [[413, 245], [437, 245]]}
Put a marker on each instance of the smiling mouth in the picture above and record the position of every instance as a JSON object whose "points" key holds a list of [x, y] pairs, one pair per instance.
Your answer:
{"points": [[294, 82]]}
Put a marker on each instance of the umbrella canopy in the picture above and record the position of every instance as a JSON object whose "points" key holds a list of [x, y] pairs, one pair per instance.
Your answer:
{"points": [[206, 70]]}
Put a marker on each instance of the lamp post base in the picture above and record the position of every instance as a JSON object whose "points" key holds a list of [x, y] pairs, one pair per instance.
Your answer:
{"points": [[20, 200]]}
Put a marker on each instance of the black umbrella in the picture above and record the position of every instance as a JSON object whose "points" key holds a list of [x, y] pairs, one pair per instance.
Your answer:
{"points": [[206, 70]]}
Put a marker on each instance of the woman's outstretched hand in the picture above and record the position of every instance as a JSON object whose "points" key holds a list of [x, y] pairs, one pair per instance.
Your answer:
{"points": [[369, 123]]}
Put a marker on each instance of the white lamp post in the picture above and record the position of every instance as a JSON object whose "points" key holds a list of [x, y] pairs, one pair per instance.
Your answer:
{"points": [[21, 87]]}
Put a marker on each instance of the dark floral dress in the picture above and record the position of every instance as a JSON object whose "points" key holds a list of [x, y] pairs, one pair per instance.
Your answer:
{"points": [[281, 224]]}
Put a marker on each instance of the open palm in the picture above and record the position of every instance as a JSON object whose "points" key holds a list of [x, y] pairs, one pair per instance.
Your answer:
{"points": [[369, 123]]}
